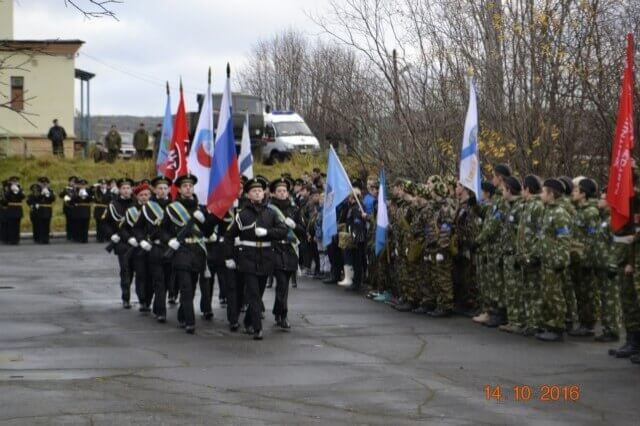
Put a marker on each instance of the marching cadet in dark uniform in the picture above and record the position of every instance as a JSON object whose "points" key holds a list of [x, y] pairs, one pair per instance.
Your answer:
{"points": [[66, 195], [13, 197], [80, 212], [356, 222], [189, 257], [102, 197], [3, 209], [256, 226], [134, 230], [41, 203], [162, 196], [112, 222], [286, 251], [234, 279]]}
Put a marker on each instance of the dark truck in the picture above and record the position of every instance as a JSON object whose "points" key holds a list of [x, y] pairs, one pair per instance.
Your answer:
{"points": [[241, 104]]}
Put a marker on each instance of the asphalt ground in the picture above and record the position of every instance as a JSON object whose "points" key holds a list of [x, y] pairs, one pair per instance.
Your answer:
{"points": [[69, 354]]}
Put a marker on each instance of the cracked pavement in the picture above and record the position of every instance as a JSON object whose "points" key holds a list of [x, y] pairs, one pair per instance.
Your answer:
{"points": [[69, 354]]}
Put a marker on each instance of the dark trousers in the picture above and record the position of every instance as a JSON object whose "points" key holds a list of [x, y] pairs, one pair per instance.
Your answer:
{"points": [[253, 289], [126, 276], [172, 287], [112, 155], [280, 305], [80, 230], [101, 237], [159, 272], [235, 294], [144, 281], [67, 224], [335, 258], [358, 261], [58, 148], [315, 256], [187, 282], [3, 230], [206, 294], [12, 231], [41, 230]]}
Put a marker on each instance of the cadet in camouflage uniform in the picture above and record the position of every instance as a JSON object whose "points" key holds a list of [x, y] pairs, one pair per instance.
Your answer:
{"points": [[585, 228], [410, 270], [553, 249], [482, 255], [512, 273], [607, 261], [488, 239], [440, 255], [567, 285], [424, 232], [399, 227], [466, 227], [528, 231]]}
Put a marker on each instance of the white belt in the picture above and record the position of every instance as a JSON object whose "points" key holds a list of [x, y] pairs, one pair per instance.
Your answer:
{"points": [[627, 239], [257, 244], [192, 240]]}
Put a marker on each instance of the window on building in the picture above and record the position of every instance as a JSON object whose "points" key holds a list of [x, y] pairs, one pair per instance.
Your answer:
{"points": [[17, 93]]}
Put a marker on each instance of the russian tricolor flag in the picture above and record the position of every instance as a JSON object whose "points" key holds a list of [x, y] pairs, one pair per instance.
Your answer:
{"points": [[224, 180]]}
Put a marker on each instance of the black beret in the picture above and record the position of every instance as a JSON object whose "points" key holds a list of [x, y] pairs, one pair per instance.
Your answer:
{"points": [[589, 187], [357, 183], [283, 181], [124, 181], [34, 187], [158, 180], [488, 187], [256, 182], [188, 178], [533, 184], [101, 181], [82, 182], [502, 170], [554, 184], [43, 179], [263, 179], [567, 184], [13, 179], [513, 184], [298, 182]]}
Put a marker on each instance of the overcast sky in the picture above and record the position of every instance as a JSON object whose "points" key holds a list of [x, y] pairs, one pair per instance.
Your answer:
{"points": [[158, 40]]}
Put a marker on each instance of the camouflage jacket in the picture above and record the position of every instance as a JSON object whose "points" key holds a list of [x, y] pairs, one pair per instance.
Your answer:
{"points": [[509, 232], [529, 228], [445, 214], [608, 256], [585, 228], [553, 246], [493, 222], [466, 226]]}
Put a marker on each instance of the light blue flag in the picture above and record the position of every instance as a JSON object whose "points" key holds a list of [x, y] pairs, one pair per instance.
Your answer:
{"points": [[338, 188], [382, 218], [165, 138], [470, 175]]}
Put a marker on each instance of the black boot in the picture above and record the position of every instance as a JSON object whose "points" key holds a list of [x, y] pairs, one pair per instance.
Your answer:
{"points": [[631, 346]]}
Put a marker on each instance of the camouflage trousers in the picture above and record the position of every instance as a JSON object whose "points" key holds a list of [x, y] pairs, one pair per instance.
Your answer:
{"points": [[410, 277], [483, 281], [441, 280], [495, 281], [514, 292], [380, 272], [569, 296], [532, 296], [630, 298], [584, 288], [609, 296], [553, 306]]}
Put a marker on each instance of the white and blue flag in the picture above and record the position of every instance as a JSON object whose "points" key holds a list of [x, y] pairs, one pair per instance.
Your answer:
{"points": [[382, 219], [246, 158], [338, 188], [201, 154], [470, 176]]}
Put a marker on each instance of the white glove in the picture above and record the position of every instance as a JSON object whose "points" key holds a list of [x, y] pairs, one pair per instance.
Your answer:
{"points": [[197, 215], [132, 242], [213, 238], [15, 188], [290, 223], [115, 238], [146, 246], [45, 192], [174, 244], [439, 257], [83, 193], [114, 190], [67, 198], [230, 264], [261, 232]]}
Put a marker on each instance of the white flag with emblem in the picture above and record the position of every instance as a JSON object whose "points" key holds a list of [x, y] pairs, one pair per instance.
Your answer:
{"points": [[470, 156]]}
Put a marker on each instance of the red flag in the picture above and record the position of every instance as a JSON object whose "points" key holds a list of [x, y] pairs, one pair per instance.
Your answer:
{"points": [[620, 189], [177, 160]]}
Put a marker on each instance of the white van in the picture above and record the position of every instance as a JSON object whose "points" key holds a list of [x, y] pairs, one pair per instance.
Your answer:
{"points": [[286, 133]]}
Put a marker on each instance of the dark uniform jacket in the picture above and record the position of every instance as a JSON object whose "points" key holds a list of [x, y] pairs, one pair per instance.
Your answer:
{"points": [[41, 205], [102, 200], [81, 205], [255, 254], [286, 250], [114, 218], [13, 203], [191, 254]]}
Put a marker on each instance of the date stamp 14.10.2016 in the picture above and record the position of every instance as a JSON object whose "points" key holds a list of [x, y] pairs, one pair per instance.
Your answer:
{"points": [[524, 393]]}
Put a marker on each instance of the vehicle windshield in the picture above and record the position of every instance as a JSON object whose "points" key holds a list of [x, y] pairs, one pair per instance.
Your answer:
{"points": [[292, 128]]}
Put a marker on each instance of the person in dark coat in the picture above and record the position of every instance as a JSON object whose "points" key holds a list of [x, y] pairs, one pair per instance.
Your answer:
{"points": [[13, 197], [285, 250], [40, 202], [57, 135], [162, 196], [257, 227], [102, 196], [80, 205]]}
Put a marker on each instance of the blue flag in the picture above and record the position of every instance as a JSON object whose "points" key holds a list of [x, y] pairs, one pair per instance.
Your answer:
{"points": [[382, 218], [165, 138], [470, 175], [338, 188]]}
